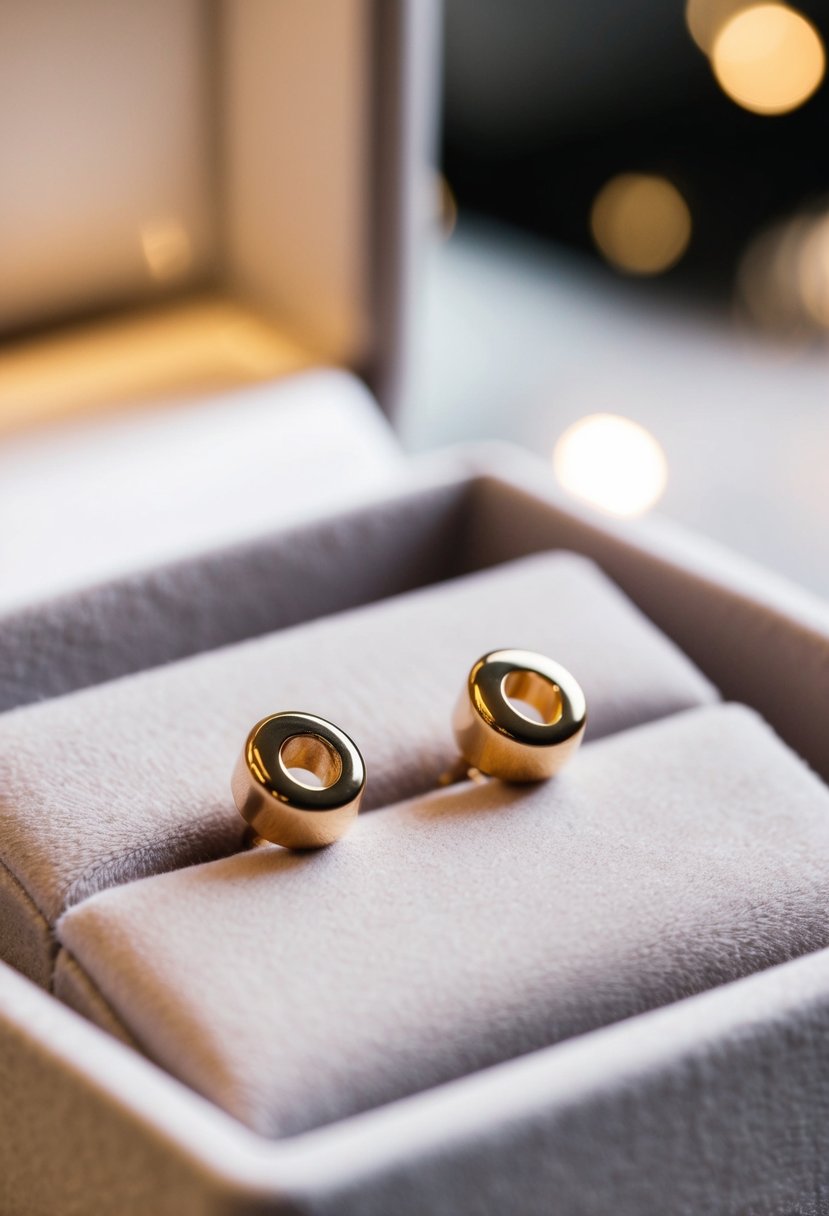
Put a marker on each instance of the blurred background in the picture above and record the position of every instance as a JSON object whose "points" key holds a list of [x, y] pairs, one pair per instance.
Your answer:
{"points": [[622, 265], [638, 226]]}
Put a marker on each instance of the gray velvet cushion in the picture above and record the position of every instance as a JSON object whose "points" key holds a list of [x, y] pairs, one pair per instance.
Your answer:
{"points": [[465, 926], [131, 778]]}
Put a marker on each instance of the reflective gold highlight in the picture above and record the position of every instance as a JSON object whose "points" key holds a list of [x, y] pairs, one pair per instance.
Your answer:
{"points": [[285, 809], [494, 735]]}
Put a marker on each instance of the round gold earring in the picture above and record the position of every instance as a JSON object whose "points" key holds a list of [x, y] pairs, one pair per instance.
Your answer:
{"points": [[297, 811], [520, 716]]}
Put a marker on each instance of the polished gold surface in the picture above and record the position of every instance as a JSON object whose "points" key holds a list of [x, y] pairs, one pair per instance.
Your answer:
{"points": [[520, 716], [299, 781]]}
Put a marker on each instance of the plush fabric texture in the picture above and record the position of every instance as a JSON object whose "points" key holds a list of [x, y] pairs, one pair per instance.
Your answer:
{"points": [[713, 1105], [227, 595], [85, 1122], [469, 925], [25, 934], [270, 454], [78, 991], [131, 778], [749, 629]]}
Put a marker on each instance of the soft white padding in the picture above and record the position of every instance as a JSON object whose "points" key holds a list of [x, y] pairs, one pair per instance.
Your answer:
{"points": [[123, 493], [131, 778], [469, 925]]}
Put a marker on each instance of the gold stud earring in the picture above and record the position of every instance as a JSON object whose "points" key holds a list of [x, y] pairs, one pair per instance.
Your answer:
{"points": [[520, 717], [299, 781]]}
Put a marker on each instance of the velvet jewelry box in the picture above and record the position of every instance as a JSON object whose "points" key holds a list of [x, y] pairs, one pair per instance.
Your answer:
{"points": [[203, 199], [604, 994]]}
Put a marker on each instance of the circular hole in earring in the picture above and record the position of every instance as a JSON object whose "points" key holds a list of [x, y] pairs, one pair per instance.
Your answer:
{"points": [[311, 761], [533, 696]]}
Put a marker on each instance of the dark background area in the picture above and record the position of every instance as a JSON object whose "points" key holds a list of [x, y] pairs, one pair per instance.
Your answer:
{"points": [[545, 101]]}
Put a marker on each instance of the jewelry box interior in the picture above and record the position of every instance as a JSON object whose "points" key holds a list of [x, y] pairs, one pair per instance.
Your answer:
{"points": [[485, 995], [453, 929], [222, 222]]}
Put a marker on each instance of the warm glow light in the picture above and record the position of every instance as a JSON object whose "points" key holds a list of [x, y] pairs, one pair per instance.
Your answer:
{"points": [[705, 19], [200, 345], [641, 223], [768, 58], [167, 249], [612, 463], [767, 280], [783, 280], [813, 271]]}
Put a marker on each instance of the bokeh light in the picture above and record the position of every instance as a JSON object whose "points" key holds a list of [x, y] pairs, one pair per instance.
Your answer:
{"points": [[167, 249], [767, 287], [612, 463], [813, 270], [705, 19], [768, 58], [783, 279], [640, 223]]}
